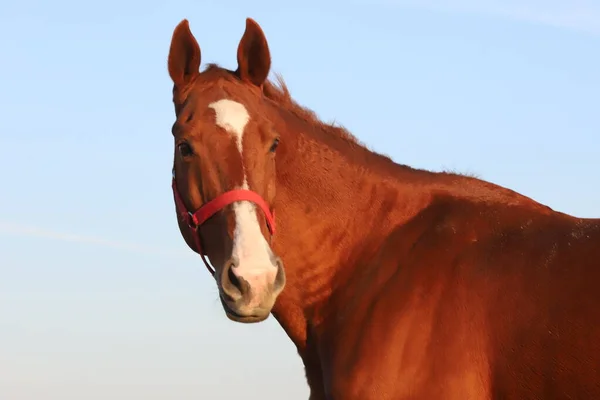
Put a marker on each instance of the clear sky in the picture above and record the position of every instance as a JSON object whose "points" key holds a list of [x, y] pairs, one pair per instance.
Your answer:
{"points": [[100, 298]]}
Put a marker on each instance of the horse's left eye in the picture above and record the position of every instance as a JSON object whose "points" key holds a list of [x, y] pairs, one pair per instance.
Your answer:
{"points": [[274, 145]]}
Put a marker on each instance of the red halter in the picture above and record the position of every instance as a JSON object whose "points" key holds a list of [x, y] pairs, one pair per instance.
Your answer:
{"points": [[207, 210]]}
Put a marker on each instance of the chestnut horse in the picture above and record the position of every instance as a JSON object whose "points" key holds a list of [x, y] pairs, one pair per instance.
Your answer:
{"points": [[392, 282]]}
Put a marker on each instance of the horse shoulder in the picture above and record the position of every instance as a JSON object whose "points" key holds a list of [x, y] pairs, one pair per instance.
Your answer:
{"points": [[407, 331]]}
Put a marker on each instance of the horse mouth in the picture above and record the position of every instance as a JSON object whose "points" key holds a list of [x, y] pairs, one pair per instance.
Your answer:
{"points": [[245, 319]]}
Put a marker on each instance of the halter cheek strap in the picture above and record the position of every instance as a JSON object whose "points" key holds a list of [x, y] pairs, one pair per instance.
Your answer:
{"points": [[195, 219]]}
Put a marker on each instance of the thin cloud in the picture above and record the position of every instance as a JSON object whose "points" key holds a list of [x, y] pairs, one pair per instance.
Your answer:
{"points": [[579, 15], [41, 233]]}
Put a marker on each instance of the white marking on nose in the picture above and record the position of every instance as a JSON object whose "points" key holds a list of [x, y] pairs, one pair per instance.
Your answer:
{"points": [[252, 251]]}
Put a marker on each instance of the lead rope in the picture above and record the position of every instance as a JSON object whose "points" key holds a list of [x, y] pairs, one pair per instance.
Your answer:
{"points": [[198, 240]]}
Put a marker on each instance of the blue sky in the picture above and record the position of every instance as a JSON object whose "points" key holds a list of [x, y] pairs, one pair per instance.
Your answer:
{"points": [[99, 296]]}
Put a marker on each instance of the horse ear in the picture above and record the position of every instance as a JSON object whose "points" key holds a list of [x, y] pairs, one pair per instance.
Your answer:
{"points": [[184, 55], [253, 56]]}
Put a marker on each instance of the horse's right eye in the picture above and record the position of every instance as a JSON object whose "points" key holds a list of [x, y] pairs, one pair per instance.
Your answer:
{"points": [[185, 149]]}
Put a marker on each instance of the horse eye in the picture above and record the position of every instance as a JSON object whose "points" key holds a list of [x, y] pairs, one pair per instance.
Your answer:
{"points": [[184, 149], [274, 145]]}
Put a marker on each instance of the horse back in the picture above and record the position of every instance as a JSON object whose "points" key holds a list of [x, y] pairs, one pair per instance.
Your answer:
{"points": [[541, 274]]}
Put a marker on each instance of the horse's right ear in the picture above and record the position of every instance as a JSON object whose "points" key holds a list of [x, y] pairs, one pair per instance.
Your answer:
{"points": [[184, 55]]}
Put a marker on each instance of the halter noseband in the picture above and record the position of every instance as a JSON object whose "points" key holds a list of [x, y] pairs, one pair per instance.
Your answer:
{"points": [[195, 219]]}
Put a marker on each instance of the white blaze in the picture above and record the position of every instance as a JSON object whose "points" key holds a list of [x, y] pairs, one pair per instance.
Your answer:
{"points": [[250, 248]]}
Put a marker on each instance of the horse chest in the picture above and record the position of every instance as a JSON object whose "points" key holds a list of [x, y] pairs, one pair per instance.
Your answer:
{"points": [[363, 365], [380, 352], [390, 380]]}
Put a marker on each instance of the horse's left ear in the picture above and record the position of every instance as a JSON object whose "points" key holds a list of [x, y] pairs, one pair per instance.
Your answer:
{"points": [[253, 56]]}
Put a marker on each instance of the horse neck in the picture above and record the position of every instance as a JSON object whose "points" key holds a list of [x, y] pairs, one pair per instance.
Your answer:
{"points": [[336, 203], [331, 210]]}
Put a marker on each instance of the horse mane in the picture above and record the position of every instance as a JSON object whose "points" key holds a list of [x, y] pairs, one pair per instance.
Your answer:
{"points": [[470, 185], [280, 94]]}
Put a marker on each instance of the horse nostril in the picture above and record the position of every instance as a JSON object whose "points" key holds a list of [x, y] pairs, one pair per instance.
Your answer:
{"points": [[232, 286], [232, 278]]}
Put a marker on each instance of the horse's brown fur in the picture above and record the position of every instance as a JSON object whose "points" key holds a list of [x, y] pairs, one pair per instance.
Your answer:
{"points": [[401, 283]]}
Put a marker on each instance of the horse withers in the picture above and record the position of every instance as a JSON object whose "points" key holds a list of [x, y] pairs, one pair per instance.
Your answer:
{"points": [[392, 282]]}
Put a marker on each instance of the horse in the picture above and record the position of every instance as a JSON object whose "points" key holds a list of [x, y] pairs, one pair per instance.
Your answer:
{"points": [[392, 282]]}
